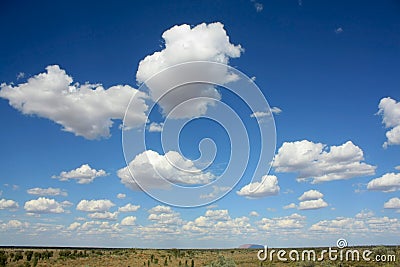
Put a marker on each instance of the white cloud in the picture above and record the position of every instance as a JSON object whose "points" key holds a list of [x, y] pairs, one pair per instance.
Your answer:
{"points": [[20, 75], [46, 191], [156, 127], [389, 109], [267, 187], [43, 205], [312, 204], [86, 110], [216, 190], [258, 6], [319, 163], [14, 224], [150, 168], [129, 208], [290, 206], [73, 226], [218, 215], [397, 168], [160, 209], [339, 30], [287, 223], [393, 203], [388, 182], [8, 204], [164, 215], [263, 114], [311, 195], [100, 205], [121, 196], [112, 216], [204, 42], [83, 174], [254, 214], [128, 221]]}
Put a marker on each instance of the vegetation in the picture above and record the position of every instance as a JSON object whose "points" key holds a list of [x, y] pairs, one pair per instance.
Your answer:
{"points": [[32, 257]]}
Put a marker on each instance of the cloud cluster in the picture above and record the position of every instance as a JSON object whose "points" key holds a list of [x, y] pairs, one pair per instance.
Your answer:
{"points": [[8, 204], [183, 43], [86, 110], [100, 205], [44, 205], [83, 174], [267, 187], [320, 163], [151, 168], [388, 182], [309, 200], [46, 191], [389, 109]]}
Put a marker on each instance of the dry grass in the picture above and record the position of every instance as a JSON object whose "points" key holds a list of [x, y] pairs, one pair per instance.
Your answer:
{"points": [[173, 257]]}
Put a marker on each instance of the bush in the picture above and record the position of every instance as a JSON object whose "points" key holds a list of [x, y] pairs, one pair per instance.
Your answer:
{"points": [[223, 262]]}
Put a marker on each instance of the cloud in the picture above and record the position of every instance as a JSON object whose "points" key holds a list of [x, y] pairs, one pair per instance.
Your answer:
{"points": [[267, 187], [156, 127], [129, 208], [389, 109], [121, 196], [86, 110], [388, 182], [73, 226], [339, 30], [183, 43], [164, 215], [112, 216], [46, 191], [83, 174], [151, 168], [397, 168], [43, 205], [393, 203], [20, 75], [128, 221], [216, 191], [263, 114], [286, 223], [100, 205], [258, 6], [290, 206], [312, 204], [218, 215], [14, 224], [320, 163], [311, 195], [254, 214], [8, 204], [160, 209]]}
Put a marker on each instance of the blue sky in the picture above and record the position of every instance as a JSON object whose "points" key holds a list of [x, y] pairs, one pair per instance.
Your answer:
{"points": [[329, 72]]}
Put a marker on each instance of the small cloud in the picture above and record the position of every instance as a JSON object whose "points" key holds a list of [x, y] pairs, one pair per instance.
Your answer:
{"points": [[121, 196], [20, 75], [253, 78], [156, 127], [290, 206], [254, 214], [258, 6], [397, 168], [339, 30]]}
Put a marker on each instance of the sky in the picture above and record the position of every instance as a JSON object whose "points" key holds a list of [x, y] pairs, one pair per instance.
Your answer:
{"points": [[294, 129]]}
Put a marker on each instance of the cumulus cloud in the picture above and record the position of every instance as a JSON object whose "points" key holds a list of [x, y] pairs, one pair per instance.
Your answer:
{"points": [[204, 42], [156, 127], [290, 206], [129, 208], [8, 204], [128, 221], [73, 226], [311, 195], [46, 191], [111, 216], [121, 196], [262, 114], [100, 205], [14, 224], [320, 163], [389, 109], [164, 215], [393, 203], [151, 168], [254, 214], [291, 222], [86, 110], [388, 182], [83, 174], [312, 204], [267, 187], [43, 205]]}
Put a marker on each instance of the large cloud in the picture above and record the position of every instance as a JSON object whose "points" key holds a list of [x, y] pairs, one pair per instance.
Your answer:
{"points": [[390, 111], [267, 187], [83, 174], [43, 205], [204, 42], [86, 110], [8, 204], [150, 168], [319, 163], [388, 182]]}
